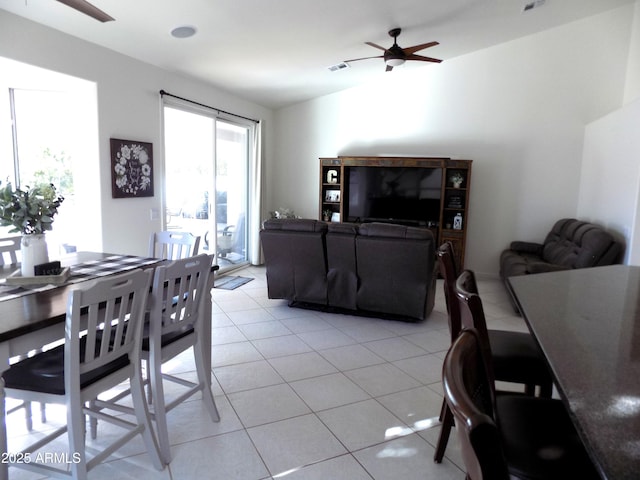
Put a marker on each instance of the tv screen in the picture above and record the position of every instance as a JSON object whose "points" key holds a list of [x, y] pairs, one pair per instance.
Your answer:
{"points": [[405, 195]]}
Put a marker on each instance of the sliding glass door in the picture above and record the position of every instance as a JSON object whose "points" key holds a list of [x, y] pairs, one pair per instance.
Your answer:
{"points": [[206, 168]]}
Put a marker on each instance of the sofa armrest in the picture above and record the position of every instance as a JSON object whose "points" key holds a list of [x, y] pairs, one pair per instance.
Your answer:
{"points": [[527, 247], [542, 267]]}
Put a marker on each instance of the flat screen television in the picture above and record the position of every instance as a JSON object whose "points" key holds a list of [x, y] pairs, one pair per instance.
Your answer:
{"points": [[403, 195]]}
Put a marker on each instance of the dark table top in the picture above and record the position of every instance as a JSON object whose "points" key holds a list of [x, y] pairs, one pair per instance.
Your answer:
{"points": [[587, 323]]}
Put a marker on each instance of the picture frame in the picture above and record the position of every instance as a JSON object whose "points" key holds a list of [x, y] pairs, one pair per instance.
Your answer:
{"points": [[332, 196], [131, 168]]}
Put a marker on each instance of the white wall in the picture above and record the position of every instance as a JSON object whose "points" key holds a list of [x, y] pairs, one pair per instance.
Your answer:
{"points": [[518, 110], [610, 182], [128, 107], [632, 87], [611, 174]]}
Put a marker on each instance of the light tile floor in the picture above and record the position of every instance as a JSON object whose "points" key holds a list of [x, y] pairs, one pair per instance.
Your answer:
{"points": [[305, 395]]}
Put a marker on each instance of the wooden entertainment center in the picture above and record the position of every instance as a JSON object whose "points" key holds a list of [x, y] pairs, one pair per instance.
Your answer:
{"points": [[438, 186]]}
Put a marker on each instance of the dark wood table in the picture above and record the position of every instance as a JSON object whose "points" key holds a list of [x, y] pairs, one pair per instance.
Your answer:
{"points": [[32, 320], [587, 323]]}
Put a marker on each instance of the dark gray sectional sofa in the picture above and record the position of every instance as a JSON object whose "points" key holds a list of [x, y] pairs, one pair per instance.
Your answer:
{"points": [[369, 269]]}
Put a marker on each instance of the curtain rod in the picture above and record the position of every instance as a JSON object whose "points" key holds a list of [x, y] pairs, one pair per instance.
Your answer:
{"points": [[163, 92]]}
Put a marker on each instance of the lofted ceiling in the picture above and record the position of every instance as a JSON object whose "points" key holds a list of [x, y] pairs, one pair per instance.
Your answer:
{"points": [[277, 52]]}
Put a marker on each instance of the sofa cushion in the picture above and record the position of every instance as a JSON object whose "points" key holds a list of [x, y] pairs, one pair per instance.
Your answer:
{"points": [[577, 244], [396, 270], [342, 275], [294, 251], [394, 231], [295, 224]]}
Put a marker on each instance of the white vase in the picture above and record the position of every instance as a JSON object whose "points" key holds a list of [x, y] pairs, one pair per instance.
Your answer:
{"points": [[33, 249]]}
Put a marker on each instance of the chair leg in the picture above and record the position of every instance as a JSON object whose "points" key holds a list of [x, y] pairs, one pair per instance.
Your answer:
{"points": [[443, 439], [76, 433], [204, 378], [159, 410], [530, 389], [144, 418], [442, 410], [28, 415], [43, 412]]}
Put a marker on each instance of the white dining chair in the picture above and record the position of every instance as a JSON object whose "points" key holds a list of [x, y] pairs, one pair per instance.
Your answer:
{"points": [[103, 334], [172, 245], [175, 324], [9, 249]]}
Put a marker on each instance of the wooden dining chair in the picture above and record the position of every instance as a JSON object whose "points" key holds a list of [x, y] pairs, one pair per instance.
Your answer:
{"points": [[175, 324], [508, 436], [172, 245], [515, 356], [103, 335]]}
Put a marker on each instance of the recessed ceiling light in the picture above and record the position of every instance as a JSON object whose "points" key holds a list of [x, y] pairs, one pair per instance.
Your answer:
{"points": [[184, 31]]}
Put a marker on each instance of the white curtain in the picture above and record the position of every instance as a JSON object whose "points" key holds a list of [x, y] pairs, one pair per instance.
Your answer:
{"points": [[255, 196]]}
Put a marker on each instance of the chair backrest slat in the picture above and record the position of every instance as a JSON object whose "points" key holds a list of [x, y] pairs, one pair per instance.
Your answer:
{"points": [[179, 290], [104, 321]]}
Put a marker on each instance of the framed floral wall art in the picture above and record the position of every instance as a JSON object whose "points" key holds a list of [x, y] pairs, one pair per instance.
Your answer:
{"points": [[131, 168]]}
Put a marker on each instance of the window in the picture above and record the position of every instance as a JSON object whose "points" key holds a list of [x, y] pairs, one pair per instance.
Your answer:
{"points": [[206, 178], [51, 136]]}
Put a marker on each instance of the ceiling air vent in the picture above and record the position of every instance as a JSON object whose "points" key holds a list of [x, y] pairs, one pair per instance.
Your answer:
{"points": [[338, 66], [531, 5]]}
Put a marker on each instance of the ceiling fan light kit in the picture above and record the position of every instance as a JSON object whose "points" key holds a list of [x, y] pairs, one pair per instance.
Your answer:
{"points": [[394, 62], [395, 56]]}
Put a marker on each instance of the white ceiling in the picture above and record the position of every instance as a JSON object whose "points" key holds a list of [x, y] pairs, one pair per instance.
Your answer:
{"points": [[276, 52]]}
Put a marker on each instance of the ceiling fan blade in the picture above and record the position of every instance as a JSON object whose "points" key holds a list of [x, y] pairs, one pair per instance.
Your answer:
{"points": [[417, 48], [423, 59], [363, 58], [88, 9], [371, 44]]}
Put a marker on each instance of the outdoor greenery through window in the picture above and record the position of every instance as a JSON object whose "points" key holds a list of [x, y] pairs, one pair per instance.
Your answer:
{"points": [[48, 134]]}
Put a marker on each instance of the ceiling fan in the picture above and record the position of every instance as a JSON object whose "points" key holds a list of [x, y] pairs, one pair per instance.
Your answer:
{"points": [[88, 9], [395, 56]]}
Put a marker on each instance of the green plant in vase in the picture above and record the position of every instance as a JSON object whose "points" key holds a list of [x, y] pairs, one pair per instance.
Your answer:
{"points": [[30, 212], [456, 179]]}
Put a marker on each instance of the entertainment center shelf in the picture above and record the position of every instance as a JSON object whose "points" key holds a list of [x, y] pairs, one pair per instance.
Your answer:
{"points": [[429, 192]]}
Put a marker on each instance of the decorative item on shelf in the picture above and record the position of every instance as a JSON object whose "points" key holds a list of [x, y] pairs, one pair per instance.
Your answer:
{"points": [[332, 176], [457, 222], [456, 179], [326, 215], [335, 217], [332, 196], [30, 212], [455, 201]]}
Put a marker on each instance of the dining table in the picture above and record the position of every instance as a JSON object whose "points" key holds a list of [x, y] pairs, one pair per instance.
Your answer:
{"points": [[587, 324], [33, 315]]}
